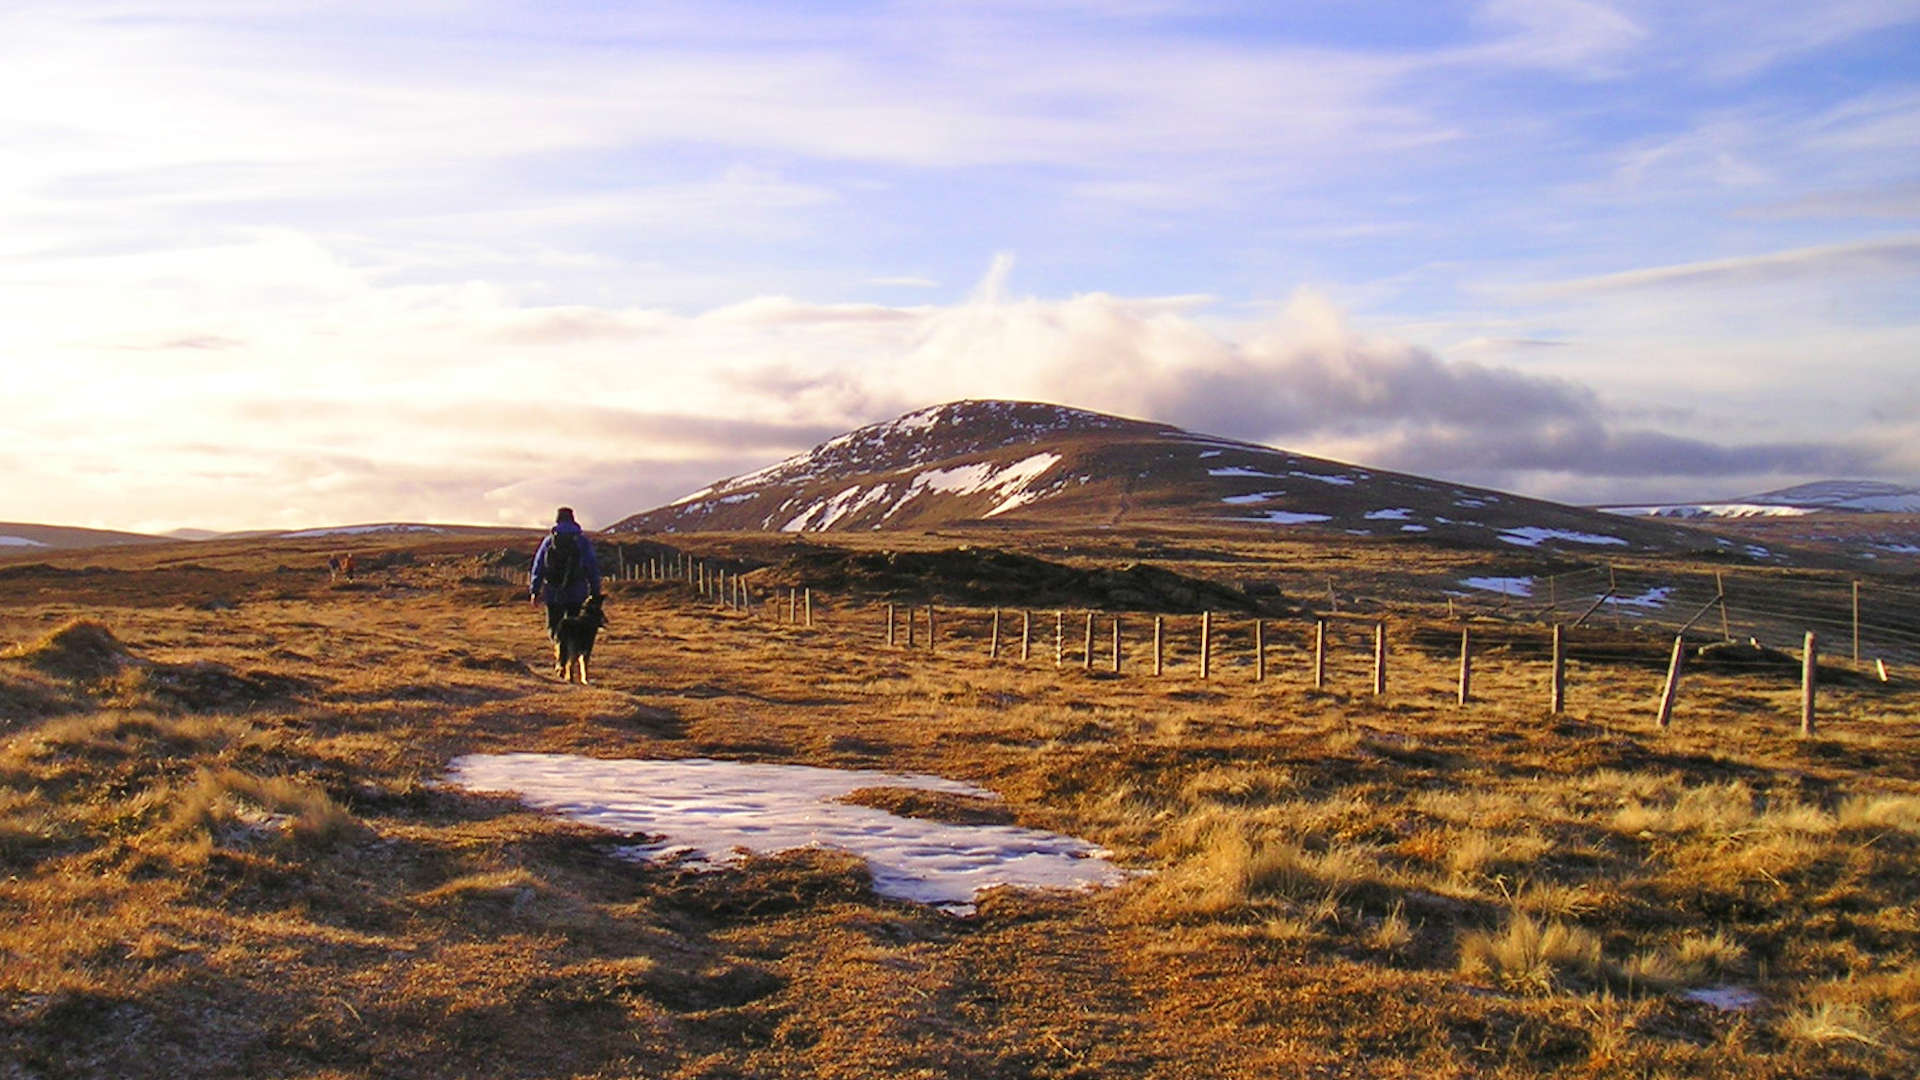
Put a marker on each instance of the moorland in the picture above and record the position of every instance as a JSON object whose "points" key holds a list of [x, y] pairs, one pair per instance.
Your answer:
{"points": [[227, 847]]}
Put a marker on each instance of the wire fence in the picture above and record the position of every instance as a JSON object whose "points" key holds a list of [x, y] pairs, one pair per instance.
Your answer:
{"points": [[1859, 620]]}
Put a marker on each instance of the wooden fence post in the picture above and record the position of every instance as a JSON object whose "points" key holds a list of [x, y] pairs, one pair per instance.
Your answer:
{"points": [[993, 647], [1206, 644], [1086, 656], [1466, 665], [1059, 638], [1671, 693], [1159, 645], [1319, 654], [908, 619], [809, 608], [1559, 701], [1856, 622], [1379, 658], [1026, 635], [793, 604], [932, 631], [1720, 591], [1116, 644], [1809, 674], [1259, 650], [891, 641]]}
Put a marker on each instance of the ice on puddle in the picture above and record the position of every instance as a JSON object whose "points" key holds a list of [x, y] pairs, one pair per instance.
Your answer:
{"points": [[1725, 998], [708, 811], [1397, 513], [1512, 586]]}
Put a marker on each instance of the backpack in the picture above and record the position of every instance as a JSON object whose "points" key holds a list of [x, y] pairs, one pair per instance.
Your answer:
{"points": [[563, 561]]}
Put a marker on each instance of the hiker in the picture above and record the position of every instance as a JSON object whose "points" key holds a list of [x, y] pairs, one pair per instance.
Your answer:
{"points": [[564, 573]]}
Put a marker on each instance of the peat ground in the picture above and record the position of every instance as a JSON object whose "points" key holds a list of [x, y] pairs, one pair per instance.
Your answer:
{"points": [[225, 849]]}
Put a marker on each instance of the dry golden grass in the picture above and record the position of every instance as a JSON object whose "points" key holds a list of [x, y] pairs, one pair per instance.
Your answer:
{"points": [[230, 854]]}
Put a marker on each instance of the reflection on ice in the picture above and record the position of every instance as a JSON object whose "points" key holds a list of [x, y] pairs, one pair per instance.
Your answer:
{"points": [[708, 812]]}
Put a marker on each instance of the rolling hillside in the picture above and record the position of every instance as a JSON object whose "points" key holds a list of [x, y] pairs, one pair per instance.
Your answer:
{"points": [[1032, 463], [21, 537]]}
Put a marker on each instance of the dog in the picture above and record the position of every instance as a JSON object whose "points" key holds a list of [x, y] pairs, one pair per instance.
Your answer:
{"points": [[573, 639]]}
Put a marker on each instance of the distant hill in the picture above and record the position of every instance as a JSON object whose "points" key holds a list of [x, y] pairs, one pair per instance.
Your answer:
{"points": [[20, 537], [1028, 462], [1840, 496]]}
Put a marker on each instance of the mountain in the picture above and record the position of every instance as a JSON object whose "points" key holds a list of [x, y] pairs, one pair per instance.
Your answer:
{"points": [[1028, 462], [20, 537], [1849, 496]]}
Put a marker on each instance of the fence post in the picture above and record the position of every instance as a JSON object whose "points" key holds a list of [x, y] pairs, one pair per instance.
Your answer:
{"points": [[1206, 644], [1026, 634], [1466, 665], [1159, 645], [932, 632], [1559, 669], [809, 608], [993, 647], [1086, 657], [908, 619], [1059, 638], [1809, 674], [1319, 654], [1116, 644], [1379, 658], [1856, 622], [1259, 650], [1672, 691], [891, 641], [1720, 588]]}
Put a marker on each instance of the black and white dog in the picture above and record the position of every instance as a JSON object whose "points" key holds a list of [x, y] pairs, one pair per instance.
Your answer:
{"points": [[573, 639]]}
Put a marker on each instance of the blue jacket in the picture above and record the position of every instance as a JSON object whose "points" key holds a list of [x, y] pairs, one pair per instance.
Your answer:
{"points": [[585, 585]]}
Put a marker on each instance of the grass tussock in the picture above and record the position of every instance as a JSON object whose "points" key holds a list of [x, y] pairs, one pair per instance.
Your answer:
{"points": [[77, 649], [1530, 956], [238, 810]]}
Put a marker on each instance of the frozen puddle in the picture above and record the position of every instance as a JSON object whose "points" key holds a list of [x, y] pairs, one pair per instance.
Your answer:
{"points": [[711, 812]]}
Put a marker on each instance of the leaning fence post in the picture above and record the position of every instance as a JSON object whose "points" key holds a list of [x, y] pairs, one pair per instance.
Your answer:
{"points": [[1159, 645], [1319, 654], [1026, 635], [931, 633], [1809, 673], [1259, 650], [1559, 669], [1466, 665], [993, 647], [1379, 658], [1206, 644], [1086, 657], [1671, 693]]}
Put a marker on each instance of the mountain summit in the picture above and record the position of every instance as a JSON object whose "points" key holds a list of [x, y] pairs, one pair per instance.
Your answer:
{"points": [[975, 461]]}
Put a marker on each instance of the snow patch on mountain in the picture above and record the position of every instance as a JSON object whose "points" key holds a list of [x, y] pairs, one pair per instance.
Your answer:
{"points": [[20, 541], [1534, 535]]}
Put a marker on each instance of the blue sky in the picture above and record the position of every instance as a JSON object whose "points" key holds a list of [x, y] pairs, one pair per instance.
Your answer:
{"points": [[280, 263]]}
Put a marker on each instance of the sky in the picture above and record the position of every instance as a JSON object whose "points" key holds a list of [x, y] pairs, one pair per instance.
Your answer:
{"points": [[275, 263]]}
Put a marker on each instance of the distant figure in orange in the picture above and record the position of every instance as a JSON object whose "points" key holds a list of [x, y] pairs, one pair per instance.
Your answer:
{"points": [[339, 566]]}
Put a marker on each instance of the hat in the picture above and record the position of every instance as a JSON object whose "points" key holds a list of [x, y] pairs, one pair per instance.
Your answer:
{"points": [[565, 513]]}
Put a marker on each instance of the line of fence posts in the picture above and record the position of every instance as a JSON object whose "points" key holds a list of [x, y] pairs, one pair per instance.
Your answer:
{"points": [[729, 588]]}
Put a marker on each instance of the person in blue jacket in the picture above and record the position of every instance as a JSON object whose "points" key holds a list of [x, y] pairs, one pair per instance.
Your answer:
{"points": [[565, 573]]}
